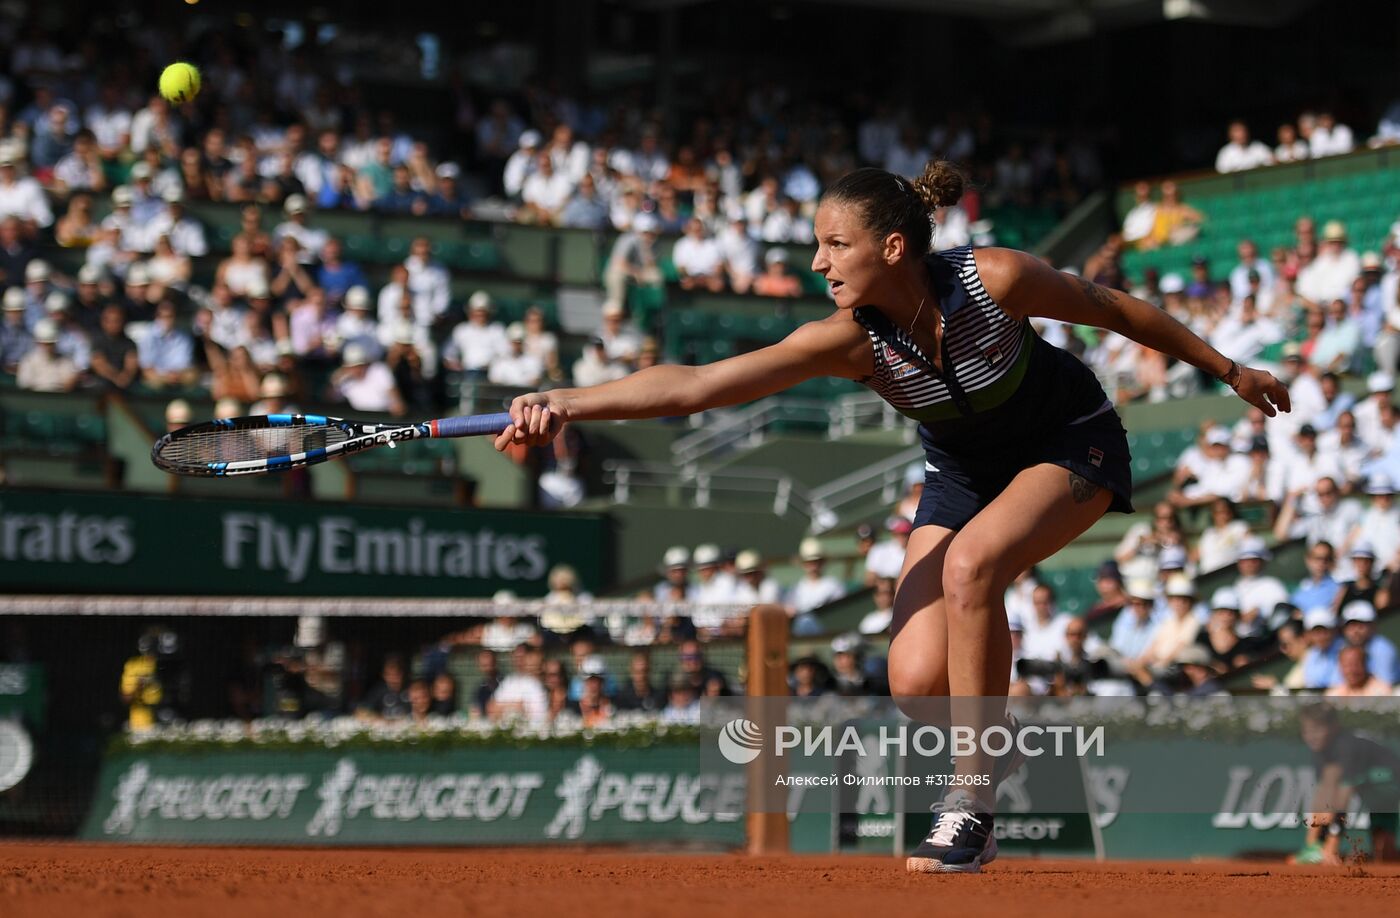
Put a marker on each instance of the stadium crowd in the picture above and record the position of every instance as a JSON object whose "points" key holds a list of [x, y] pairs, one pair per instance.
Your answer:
{"points": [[286, 308], [288, 320], [1313, 136]]}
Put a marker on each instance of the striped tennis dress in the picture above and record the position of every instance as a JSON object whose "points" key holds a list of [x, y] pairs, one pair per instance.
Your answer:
{"points": [[1005, 400]]}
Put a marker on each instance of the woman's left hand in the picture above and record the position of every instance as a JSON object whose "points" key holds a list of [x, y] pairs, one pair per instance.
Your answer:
{"points": [[1263, 391]]}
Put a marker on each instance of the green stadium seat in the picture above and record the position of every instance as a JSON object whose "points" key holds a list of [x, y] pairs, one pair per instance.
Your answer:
{"points": [[813, 284], [1155, 452], [91, 429], [1074, 588]]}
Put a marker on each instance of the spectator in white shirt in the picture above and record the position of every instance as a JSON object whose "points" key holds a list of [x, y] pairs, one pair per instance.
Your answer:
{"points": [[256, 338], [1258, 592], [1218, 473], [1296, 473], [539, 341], [1328, 277], [886, 559], [1043, 631], [1138, 222], [1241, 153], [221, 321], [587, 207], [429, 283], [786, 224], [1388, 129], [675, 563], [1344, 445], [1249, 429], [712, 584], [571, 156], [186, 234], [1243, 333], [365, 385], [145, 204], [310, 327], [521, 163], [1264, 297], [403, 330], [1240, 285], [1380, 522], [740, 253], [16, 339], [20, 195], [1136, 624], [1336, 347], [1304, 395], [166, 352], [951, 228], [1175, 631], [109, 121], [698, 259], [129, 232], [760, 202], [684, 704], [356, 325], [1319, 514], [816, 588], [595, 366], [878, 620], [242, 270], [392, 295], [754, 586], [1221, 541], [1330, 138], [515, 367], [633, 259], [1291, 148], [522, 694], [621, 339], [545, 192], [38, 284], [310, 239], [1379, 387], [81, 168], [44, 368], [477, 342], [154, 126]]}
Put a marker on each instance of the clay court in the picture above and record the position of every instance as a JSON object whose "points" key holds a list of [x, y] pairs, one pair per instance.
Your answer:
{"points": [[62, 880]]}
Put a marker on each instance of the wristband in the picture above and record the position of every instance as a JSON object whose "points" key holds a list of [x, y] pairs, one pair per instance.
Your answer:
{"points": [[1232, 376]]}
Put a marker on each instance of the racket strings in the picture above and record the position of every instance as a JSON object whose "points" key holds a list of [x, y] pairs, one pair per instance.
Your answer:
{"points": [[240, 445]]}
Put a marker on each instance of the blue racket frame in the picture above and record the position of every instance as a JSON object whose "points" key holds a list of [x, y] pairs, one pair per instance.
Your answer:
{"points": [[360, 436]]}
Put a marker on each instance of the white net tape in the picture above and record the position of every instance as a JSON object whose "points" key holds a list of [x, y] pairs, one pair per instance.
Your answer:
{"points": [[337, 607]]}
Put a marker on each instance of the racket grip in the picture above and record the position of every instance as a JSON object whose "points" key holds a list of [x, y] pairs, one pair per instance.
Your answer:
{"points": [[474, 425]]}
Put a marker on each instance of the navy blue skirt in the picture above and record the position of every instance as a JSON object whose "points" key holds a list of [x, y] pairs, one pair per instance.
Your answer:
{"points": [[958, 487]]}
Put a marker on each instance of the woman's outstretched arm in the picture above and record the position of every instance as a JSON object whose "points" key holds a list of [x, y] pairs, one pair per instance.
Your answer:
{"points": [[835, 346], [1025, 286]]}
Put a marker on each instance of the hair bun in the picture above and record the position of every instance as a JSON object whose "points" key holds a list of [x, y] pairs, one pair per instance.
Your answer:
{"points": [[941, 185]]}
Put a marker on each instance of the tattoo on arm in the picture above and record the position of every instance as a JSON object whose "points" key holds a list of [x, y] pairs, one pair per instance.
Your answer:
{"points": [[1081, 488], [1099, 296]]}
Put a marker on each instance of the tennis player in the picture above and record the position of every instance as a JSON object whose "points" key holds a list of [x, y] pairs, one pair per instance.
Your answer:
{"points": [[1347, 763], [1024, 451]]}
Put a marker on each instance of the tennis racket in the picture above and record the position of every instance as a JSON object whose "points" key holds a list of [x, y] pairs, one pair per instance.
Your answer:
{"points": [[277, 442]]}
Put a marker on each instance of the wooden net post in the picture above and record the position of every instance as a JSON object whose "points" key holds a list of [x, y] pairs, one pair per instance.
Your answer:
{"points": [[767, 681]]}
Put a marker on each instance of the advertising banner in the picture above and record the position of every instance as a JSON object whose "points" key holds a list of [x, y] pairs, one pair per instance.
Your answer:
{"points": [[116, 543], [486, 796]]}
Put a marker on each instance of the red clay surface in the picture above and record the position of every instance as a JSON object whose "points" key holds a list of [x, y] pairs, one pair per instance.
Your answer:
{"points": [[54, 881]]}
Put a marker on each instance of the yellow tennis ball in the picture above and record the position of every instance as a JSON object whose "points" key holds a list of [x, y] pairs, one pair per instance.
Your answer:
{"points": [[179, 82]]}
